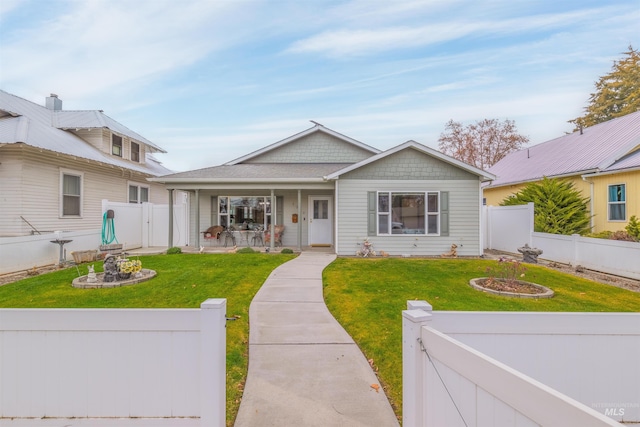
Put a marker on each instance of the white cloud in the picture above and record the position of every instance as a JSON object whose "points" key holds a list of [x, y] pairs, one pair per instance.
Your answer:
{"points": [[102, 44], [383, 38]]}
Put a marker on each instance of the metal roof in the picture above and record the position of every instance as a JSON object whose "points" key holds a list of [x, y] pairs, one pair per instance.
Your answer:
{"points": [[31, 124], [92, 119], [603, 147]]}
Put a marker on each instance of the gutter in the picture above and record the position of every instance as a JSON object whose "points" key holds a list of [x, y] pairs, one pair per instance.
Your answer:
{"points": [[611, 172], [235, 180], [526, 181], [591, 202]]}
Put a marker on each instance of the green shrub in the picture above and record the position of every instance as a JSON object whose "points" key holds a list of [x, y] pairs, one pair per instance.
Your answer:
{"points": [[246, 250], [286, 251], [601, 235], [174, 250], [633, 228], [558, 207]]}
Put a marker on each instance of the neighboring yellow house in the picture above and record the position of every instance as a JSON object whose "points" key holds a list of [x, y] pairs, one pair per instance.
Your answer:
{"points": [[602, 161]]}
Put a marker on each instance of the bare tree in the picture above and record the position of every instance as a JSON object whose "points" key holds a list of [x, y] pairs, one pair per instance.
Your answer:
{"points": [[481, 144]]}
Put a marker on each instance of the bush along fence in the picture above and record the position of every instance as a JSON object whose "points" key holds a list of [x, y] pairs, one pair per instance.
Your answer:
{"points": [[132, 364], [514, 369]]}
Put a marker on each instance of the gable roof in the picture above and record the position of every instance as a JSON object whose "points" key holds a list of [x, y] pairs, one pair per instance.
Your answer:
{"points": [[316, 128], [606, 147], [255, 172], [484, 176], [23, 121]]}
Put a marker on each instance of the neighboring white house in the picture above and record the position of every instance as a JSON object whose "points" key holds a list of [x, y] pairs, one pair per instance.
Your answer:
{"points": [[57, 166], [330, 190]]}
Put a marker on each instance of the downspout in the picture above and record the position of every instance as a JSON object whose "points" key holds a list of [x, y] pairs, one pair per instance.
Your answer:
{"points": [[591, 203], [335, 215], [171, 218], [299, 221], [198, 218], [272, 239]]}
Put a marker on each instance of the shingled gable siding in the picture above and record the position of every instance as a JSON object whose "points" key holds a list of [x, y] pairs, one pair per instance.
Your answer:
{"points": [[315, 148], [410, 171]]}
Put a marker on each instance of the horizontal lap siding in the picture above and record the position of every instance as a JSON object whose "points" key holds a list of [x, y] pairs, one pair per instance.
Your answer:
{"points": [[464, 223], [35, 192]]}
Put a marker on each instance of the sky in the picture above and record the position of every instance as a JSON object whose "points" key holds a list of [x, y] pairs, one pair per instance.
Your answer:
{"points": [[210, 81]]}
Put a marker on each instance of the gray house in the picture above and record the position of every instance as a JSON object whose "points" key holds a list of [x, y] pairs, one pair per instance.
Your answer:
{"points": [[323, 188]]}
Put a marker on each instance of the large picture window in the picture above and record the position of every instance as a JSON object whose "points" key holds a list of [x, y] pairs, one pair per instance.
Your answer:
{"points": [[71, 194], [408, 213], [244, 213], [617, 202]]}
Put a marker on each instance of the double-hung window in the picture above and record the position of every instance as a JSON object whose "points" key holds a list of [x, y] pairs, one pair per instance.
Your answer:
{"points": [[71, 194], [135, 152], [116, 145], [138, 193], [617, 202], [408, 213]]}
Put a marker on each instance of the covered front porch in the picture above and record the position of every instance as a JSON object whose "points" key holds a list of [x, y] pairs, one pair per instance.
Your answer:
{"points": [[260, 215]]}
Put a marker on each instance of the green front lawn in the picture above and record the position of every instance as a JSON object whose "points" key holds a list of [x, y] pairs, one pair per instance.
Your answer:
{"points": [[183, 281], [367, 296]]}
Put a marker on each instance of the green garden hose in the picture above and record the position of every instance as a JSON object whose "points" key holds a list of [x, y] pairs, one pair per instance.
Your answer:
{"points": [[108, 230]]}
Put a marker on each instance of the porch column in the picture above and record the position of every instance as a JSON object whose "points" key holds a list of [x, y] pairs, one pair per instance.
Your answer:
{"points": [[299, 220], [272, 239], [198, 219], [171, 218]]}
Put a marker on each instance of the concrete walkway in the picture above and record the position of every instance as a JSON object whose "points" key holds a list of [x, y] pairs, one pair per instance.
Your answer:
{"points": [[304, 369]]}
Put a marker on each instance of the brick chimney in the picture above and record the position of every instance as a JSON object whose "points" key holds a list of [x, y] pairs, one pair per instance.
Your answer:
{"points": [[52, 102]]}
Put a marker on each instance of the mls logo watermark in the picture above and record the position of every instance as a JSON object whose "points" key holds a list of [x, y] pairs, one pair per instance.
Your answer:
{"points": [[617, 409], [614, 412]]}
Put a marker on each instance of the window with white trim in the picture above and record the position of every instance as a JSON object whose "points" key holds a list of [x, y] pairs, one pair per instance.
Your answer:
{"points": [[135, 152], [138, 193], [408, 213], [116, 145], [70, 194], [617, 202]]}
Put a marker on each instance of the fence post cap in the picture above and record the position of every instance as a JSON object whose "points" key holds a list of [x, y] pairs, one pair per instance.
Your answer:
{"points": [[419, 305], [416, 316], [214, 303]]}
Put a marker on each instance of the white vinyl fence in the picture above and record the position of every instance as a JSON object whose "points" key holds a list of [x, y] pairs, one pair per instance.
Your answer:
{"points": [[94, 365], [519, 369], [510, 227], [136, 226]]}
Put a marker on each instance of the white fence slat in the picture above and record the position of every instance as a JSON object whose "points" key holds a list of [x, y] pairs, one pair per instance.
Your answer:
{"points": [[509, 227], [108, 364], [556, 359]]}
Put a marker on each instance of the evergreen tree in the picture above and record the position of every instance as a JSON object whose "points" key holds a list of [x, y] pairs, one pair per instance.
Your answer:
{"points": [[558, 207], [617, 93]]}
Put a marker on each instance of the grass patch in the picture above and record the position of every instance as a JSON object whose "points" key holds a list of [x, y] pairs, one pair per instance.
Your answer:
{"points": [[183, 281], [367, 296]]}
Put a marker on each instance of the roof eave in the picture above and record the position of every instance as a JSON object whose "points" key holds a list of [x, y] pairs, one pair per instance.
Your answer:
{"points": [[526, 181], [315, 128], [483, 175], [235, 180]]}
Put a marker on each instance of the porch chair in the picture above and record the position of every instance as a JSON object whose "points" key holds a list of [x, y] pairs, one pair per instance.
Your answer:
{"points": [[278, 231], [213, 232]]}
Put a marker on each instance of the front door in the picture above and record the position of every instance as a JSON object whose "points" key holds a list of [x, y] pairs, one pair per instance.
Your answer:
{"points": [[320, 221]]}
